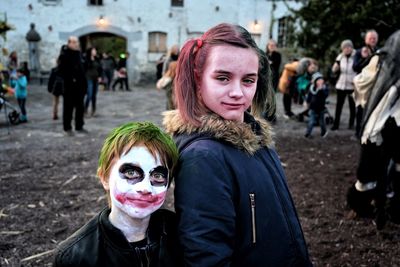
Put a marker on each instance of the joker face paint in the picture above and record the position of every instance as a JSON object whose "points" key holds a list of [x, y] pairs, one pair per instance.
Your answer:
{"points": [[138, 183]]}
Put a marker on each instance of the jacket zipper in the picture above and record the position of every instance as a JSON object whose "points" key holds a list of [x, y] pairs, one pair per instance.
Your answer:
{"points": [[253, 217]]}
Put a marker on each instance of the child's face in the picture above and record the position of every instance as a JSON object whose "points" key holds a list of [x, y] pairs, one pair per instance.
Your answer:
{"points": [[312, 68], [229, 81], [138, 183]]}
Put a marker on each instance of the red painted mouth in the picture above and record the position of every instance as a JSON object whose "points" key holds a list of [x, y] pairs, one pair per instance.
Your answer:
{"points": [[141, 201]]}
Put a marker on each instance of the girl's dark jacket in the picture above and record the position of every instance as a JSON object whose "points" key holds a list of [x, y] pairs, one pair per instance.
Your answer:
{"points": [[99, 243], [233, 204]]}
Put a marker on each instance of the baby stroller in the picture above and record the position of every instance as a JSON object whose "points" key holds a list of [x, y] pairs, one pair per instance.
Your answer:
{"points": [[10, 112]]}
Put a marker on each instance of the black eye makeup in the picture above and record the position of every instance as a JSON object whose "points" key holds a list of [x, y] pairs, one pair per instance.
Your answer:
{"points": [[159, 176], [134, 174]]}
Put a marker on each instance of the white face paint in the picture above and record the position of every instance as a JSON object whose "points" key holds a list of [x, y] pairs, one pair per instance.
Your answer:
{"points": [[138, 183]]}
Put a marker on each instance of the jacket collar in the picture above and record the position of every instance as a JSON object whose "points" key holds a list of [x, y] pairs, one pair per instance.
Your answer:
{"points": [[249, 136], [155, 231]]}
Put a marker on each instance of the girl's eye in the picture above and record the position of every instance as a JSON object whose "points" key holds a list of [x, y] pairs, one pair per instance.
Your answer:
{"points": [[249, 81], [222, 78]]}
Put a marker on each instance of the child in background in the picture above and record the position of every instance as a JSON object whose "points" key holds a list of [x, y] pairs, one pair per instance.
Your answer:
{"points": [[167, 83], [316, 102], [20, 83]]}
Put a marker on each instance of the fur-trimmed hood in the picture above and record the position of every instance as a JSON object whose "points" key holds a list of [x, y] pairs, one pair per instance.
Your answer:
{"points": [[248, 136]]}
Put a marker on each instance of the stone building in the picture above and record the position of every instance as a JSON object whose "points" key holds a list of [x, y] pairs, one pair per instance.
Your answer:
{"points": [[148, 27]]}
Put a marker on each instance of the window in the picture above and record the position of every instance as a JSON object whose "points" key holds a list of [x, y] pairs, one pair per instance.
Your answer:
{"points": [[157, 42], [50, 2], [176, 2], [95, 2], [285, 31]]}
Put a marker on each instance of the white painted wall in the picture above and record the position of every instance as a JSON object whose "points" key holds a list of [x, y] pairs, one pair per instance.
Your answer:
{"points": [[122, 17]]}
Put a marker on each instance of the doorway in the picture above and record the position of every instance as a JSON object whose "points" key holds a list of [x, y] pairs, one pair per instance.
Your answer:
{"points": [[104, 42]]}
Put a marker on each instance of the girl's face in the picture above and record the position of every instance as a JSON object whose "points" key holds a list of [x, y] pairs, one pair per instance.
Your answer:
{"points": [[94, 52], [138, 184], [229, 81]]}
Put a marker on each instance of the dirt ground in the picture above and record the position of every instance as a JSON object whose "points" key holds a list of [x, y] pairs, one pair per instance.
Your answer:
{"points": [[48, 187]]}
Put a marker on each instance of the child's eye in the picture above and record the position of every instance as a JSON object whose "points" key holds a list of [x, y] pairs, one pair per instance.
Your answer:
{"points": [[159, 176], [158, 179], [132, 174]]}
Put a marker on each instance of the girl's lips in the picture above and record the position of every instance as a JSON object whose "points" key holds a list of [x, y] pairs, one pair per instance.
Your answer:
{"points": [[233, 105]]}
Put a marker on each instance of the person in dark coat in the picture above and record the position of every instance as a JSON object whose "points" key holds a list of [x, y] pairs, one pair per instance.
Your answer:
{"points": [[231, 196], [135, 168], [55, 86], [72, 71], [316, 100], [275, 59], [108, 65], [93, 72]]}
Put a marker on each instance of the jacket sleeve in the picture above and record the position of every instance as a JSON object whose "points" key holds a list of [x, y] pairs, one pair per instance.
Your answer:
{"points": [[205, 209], [292, 66], [51, 81]]}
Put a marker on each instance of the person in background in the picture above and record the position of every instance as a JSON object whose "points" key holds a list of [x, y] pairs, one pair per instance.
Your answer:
{"points": [[274, 59], [108, 65], [20, 84], [361, 59], [316, 99], [167, 83], [287, 86], [12, 63], [55, 86], [72, 71], [159, 66], [122, 75], [344, 85], [172, 55], [93, 72], [231, 197]]}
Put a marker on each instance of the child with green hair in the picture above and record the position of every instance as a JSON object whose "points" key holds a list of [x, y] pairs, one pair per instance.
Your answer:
{"points": [[135, 167]]}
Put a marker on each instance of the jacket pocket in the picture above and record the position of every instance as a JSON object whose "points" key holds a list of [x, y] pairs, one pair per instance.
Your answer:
{"points": [[253, 217]]}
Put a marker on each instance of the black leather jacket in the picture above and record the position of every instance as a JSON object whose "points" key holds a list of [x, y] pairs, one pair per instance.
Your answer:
{"points": [[99, 243]]}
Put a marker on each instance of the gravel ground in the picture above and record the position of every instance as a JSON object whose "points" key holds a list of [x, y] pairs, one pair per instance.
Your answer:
{"points": [[48, 186]]}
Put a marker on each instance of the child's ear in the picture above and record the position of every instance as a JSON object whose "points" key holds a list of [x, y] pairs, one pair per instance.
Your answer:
{"points": [[105, 183]]}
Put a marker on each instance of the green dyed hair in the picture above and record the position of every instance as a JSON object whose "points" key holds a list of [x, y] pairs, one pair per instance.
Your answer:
{"points": [[121, 140]]}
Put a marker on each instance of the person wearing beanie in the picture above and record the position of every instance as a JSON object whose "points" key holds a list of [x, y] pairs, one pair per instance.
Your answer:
{"points": [[316, 99], [344, 85]]}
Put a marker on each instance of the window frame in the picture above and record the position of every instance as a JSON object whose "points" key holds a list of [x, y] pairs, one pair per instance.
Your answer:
{"points": [[177, 3], [159, 47], [89, 3]]}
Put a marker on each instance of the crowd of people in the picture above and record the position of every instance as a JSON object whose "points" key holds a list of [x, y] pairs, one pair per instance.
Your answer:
{"points": [[77, 78], [369, 79]]}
